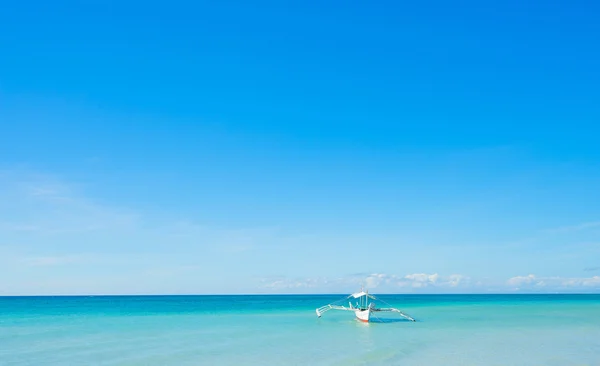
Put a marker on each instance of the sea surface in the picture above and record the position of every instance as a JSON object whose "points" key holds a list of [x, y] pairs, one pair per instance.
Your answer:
{"points": [[284, 330]]}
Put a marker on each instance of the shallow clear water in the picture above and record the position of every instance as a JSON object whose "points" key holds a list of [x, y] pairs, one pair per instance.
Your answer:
{"points": [[284, 330]]}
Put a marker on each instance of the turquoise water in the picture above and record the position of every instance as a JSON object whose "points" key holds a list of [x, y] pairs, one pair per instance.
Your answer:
{"points": [[284, 330]]}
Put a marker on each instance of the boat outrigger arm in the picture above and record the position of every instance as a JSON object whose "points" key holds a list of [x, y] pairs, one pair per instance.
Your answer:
{"points": [[363, 307]]}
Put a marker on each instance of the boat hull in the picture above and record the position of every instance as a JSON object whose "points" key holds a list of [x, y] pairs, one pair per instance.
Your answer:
{"points": [[363, 315]]}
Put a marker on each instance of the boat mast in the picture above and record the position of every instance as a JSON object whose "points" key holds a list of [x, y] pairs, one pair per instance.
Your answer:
{"points": [[362, 300]]}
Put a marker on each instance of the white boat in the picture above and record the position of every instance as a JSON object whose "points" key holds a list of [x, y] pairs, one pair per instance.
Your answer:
{"points": [[363, 308]]}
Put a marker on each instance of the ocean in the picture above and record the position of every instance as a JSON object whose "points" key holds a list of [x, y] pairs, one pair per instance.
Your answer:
{"points": [[284, 330]]}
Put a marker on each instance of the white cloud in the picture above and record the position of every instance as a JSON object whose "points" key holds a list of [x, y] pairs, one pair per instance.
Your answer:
{"points": [[582, 282], [374, 281], [521, 280], [532, 282], [297, 284], [423, 280], [420, 280], [457, 279], [427, 282]]}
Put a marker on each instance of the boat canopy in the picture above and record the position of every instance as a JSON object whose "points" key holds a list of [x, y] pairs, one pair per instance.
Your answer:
{"points": [[362, 293]]}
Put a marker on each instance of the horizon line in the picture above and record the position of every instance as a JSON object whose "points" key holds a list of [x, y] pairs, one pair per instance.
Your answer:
{"points": [[306, 294]]}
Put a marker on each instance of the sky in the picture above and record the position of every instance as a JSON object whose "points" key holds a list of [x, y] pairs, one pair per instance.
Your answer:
{"points": [[232, 147]]}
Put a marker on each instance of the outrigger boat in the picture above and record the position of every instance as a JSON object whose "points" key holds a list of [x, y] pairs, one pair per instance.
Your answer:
{"points": [[363, 308]]}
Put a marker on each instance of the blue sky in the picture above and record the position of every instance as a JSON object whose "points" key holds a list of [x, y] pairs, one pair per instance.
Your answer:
{"points": [[271, 147]]}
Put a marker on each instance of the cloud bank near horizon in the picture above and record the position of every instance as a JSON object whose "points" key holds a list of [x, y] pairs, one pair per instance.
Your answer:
{"points": [[431, 283], [56, 240]]}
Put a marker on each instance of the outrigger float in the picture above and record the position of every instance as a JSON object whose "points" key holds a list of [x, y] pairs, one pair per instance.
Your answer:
{"points": [[363, 308]]}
